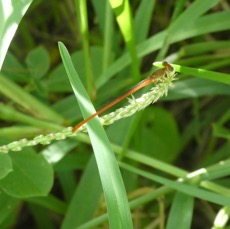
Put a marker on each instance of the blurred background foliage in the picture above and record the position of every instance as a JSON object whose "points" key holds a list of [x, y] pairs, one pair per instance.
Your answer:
{"points": [[189, 128]]}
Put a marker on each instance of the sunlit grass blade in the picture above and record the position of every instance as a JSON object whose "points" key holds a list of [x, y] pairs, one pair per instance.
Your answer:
{"points": [[11, 13], [202, 73], [114, 191], [124, 18], [206, 24]]}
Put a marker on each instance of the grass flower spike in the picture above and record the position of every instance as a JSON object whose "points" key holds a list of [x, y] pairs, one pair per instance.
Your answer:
{"points": [[163, 79]]}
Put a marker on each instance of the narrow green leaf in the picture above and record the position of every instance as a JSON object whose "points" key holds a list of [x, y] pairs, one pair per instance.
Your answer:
{"points": [[41, 217], [16, 132], [202, 73], [141, 29], [124, 19], [181, 212], [220, 131], [85, 198], [195, 10], [81, 8], [28, 101], [114, 191], [50, 202], [206, 24], [109, 40], [203, 47], [9, 113], [181, 187], [218, 170]]}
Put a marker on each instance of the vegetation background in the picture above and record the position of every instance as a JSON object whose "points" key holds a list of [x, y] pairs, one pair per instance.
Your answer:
{"points": [[173, 156]]}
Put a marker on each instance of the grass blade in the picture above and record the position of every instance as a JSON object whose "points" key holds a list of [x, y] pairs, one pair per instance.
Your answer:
{"points": [[206, 24], [195, 10], [11, 13], [124, 18], [115, 195], [188, 189], [83, 23], [181, 212], [201, 73], [86, 198]]}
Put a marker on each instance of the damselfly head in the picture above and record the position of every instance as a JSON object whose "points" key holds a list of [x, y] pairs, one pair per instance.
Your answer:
{"points": [[169, 69]]}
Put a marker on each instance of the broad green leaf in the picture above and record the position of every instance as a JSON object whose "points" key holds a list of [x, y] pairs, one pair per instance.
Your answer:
{"points": [[13, 69], [11, 13], [5, 165], [58, 82], [31, 176], [66, 109], [38, 62], [159, 135]]}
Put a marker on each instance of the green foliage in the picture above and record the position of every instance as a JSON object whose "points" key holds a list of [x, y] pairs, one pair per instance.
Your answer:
{"points": [[172, 158], [182, 205], [31, 175]]}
